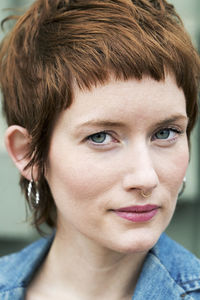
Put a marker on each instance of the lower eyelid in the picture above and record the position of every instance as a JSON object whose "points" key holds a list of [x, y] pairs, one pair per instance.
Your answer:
{"points": [[104, 144], [176, 132], [169, 141]]}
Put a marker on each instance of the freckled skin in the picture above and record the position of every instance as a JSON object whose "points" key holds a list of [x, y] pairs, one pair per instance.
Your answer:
{"points": [[88, 181]]}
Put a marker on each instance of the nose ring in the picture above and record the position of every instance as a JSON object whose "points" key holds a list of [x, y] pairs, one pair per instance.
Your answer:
{"points": [[145, 195]]}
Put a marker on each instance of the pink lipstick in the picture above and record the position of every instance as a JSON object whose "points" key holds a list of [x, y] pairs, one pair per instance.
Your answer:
{"points": [[137, 214]]}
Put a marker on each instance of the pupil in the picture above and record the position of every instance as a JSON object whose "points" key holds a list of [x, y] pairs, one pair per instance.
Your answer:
{"points": [[98, 138], [164, 134]]}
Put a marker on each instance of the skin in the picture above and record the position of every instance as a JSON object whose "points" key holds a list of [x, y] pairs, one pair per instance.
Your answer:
{"points": [[88, 180], [143, 150]]}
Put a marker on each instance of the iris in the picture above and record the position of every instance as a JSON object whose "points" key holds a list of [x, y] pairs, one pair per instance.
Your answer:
{"points": [[163, 134], [98, 137]]}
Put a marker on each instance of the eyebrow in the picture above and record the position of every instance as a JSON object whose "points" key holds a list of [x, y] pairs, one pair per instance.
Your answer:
{"points": [[101, 123], [108, 123], [172, 119]]}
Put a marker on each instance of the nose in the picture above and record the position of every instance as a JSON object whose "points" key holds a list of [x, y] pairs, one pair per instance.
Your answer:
{"points": [[140, 173]]}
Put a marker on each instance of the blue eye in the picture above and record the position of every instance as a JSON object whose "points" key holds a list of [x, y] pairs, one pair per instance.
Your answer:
{"points": [[98, 138], [166, 134], [163, 134]]}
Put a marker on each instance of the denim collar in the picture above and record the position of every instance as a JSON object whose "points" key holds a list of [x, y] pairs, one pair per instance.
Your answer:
{"points": [[169, 271], [17, 269]]}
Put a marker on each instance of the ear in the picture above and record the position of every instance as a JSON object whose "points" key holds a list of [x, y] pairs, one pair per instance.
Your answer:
{"points": [[17, 142]]}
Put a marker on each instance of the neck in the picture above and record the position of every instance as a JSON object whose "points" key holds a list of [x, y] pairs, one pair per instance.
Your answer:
{"points": [[87, 271]]}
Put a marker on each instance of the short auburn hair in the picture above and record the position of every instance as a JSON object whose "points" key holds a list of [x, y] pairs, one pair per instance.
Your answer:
{"points": [[59, 42]]}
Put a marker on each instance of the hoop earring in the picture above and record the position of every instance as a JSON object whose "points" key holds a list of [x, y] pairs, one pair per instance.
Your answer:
{"points": [[33, 194], [182, 189]]}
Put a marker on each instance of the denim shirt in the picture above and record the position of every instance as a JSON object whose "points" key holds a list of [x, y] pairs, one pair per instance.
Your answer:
{"points": [[169, 272]]}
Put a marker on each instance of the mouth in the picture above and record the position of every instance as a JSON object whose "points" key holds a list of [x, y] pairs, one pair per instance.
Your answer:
{"points": [[137, 214]]}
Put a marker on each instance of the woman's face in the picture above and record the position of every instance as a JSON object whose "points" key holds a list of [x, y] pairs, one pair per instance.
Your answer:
{"points": [[115, 142]]}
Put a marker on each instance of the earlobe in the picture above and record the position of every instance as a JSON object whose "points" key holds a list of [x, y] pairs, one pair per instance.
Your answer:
{"points": [[17, 142]]}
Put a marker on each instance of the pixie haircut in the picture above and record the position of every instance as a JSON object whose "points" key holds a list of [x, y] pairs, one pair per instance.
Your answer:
{"points": [[57, 43]]}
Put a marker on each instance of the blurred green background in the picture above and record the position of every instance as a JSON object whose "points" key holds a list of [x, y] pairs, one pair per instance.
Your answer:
{"points": [[15, 232]]}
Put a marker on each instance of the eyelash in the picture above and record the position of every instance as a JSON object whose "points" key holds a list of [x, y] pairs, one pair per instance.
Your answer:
{"points": [[108, 133], [172, 129]]}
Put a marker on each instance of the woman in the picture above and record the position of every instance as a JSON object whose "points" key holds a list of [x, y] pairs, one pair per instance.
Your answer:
{"points": [[100, 99]]}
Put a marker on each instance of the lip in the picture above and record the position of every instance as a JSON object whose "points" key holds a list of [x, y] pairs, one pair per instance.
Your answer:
{"points": [[137, 213]]}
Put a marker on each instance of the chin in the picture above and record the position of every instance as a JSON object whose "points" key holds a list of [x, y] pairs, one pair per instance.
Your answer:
{"points": [[137, 244]]}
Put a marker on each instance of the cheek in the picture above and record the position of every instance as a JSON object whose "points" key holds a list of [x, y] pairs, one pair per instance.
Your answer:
{"points": [[78, 178], [175, 169], [180, 164]]}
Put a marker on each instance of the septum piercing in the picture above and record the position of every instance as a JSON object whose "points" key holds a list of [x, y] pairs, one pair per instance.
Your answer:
{"points": [[145, 195]]}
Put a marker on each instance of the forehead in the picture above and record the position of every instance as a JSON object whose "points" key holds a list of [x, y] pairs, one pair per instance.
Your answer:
{"points": [[127, 101]]}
